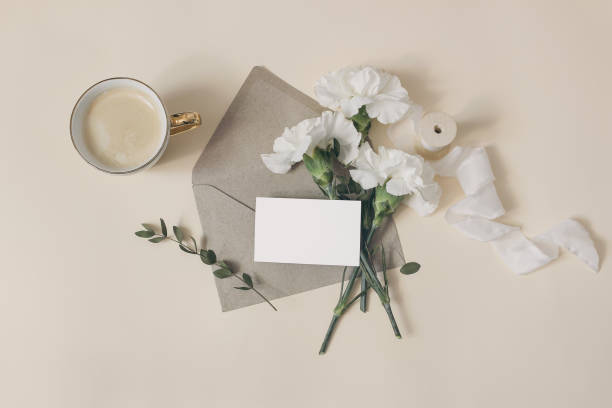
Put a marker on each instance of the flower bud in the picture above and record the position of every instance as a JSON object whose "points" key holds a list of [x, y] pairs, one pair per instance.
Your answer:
{"points": [[320, 166], [384, 204]]}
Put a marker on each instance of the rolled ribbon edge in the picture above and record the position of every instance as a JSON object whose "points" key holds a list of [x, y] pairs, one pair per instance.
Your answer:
{"points": [[474, 216]]}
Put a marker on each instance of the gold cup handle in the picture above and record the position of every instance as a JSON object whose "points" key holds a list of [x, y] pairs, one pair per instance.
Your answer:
{"points": [[181, 122]]}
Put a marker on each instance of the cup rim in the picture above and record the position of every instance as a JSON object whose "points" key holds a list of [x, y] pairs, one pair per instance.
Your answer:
{"points": [[150, 161]]}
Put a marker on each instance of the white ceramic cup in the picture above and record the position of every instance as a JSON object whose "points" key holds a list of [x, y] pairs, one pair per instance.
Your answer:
{"points": [[168, 124]]}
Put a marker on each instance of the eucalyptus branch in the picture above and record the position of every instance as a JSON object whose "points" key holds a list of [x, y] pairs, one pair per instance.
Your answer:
{"points": [[207, 256]]}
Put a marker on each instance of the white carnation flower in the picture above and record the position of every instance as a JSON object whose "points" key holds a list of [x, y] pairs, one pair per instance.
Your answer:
{"points": [[290, 147], [336, 126], [349, 89], [403, 173], [427, 199]]}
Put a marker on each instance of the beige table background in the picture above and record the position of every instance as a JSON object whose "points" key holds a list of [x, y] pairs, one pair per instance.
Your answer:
{"points": [[91, 316]]}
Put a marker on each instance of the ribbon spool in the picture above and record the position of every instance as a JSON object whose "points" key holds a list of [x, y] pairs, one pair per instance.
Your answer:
{"points": [[436, 132]]}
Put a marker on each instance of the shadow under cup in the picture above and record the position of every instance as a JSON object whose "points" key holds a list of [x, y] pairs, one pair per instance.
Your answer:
{"points": [[167, 124]]}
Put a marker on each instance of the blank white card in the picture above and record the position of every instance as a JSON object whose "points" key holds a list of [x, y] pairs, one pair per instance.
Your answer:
{"points": [[319, 232]]}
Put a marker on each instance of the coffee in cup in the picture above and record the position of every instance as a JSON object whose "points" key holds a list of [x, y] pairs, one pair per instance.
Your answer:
{"points": [[120, 126]]}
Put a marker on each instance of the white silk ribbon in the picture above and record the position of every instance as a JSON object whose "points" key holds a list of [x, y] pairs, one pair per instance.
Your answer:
{"points": [[474, 217]]}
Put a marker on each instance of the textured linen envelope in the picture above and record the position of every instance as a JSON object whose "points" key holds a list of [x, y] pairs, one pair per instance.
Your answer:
{"points": [[315, 232], [229, 175]]}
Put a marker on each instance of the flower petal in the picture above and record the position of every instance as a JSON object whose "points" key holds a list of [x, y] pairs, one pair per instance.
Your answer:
{"points": [[426, 199], [338, 127], [367, 179], [350, 106], [425, 202], [367, 159], [294, 142], [393, 160], [404, 173], [332, 88], [349, 89], [406, 178], [368, 171], [279, 163], [398, 186], [366, 81], [391, 103], [318, 136], [393, 88], [387, 110]]}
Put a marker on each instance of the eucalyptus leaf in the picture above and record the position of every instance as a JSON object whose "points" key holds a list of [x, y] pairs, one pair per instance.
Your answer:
{"points": [[222, 273], [147, 227], [242, 288], [178, 233], [223, 265], [195, 245], [186, 249], [156, 240], [410, 268], [144, 234], [208, 256], [247, 279], [164, 230]]}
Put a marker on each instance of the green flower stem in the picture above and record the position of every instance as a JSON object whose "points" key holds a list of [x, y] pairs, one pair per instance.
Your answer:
{"points": [[343, 303], [363, 304], [340, 308], [380, 291], [330, 330], [387, 307], [354, 299], [372, 278]]}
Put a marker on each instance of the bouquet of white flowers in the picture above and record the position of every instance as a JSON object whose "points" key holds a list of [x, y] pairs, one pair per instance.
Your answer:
{"points": [[336, 150]]}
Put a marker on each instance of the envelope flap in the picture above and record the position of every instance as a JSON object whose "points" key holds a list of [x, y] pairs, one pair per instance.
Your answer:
{"points": [[229, 175], [228, 227], [263, 107]]}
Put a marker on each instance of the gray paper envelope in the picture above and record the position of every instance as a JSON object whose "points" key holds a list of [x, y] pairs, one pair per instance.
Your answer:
{"points": [[230, 174]]}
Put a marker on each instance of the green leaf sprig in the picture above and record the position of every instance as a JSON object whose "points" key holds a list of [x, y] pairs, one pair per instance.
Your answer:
{"points": [[207, 256]]}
